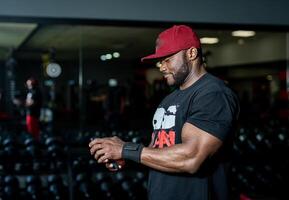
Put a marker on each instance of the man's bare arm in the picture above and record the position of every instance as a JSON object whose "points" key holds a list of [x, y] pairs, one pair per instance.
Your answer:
{"points": [[196, 146]]}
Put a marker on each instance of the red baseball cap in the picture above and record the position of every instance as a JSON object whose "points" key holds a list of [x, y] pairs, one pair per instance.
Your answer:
{"points": [[173, 40]]}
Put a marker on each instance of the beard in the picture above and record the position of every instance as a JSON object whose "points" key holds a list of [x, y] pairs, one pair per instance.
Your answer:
{"points": [[183, 72]]}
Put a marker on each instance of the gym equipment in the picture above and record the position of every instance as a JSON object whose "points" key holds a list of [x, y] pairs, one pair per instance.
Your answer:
{"points": [[11, 189], [33, 188]]}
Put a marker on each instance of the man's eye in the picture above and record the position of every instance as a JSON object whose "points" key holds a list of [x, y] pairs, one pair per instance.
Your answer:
{"points": [[167, 60]]}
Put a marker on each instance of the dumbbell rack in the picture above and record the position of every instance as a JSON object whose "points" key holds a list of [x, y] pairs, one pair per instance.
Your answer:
{"points": [[258, 169], [35, 164], [30, 164]]}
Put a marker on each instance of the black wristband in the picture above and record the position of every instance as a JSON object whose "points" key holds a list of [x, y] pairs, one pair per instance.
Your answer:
{"points": [[132, 151]]}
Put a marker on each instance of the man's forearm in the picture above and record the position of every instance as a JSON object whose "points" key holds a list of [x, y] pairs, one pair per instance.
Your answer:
{"points": [[170, 159]]}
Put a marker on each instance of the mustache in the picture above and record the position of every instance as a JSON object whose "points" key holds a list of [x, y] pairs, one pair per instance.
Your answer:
{"points": [[168, 74]]}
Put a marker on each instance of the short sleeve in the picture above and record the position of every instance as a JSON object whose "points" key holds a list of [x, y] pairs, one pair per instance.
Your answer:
{"points": [[214, 113]]}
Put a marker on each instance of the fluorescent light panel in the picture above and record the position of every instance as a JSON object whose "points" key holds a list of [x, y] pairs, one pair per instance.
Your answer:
{"points": [[209, 40], [242, 33]]}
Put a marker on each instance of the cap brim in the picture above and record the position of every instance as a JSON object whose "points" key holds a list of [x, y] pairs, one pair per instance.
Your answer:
{"points": [[154, 57], [150, 58]]}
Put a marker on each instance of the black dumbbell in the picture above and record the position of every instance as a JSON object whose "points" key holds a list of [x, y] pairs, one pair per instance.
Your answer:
{"points": [[101, 177], [55, 149], [107, 190], [83, 187], [10, 151], [31, 149], [33, 187], [128, 189], [56, 188], [11, 188], [137, 139], [78, 165]]}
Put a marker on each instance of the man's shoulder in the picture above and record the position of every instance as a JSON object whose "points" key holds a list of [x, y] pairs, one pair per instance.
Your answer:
{"points": [[213, 84]]}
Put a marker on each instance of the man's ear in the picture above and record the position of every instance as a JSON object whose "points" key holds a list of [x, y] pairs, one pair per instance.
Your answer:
{"points": [[192, 53]]}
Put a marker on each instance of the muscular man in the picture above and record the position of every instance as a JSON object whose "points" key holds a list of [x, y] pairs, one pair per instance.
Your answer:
{"points": [[193, 126]]}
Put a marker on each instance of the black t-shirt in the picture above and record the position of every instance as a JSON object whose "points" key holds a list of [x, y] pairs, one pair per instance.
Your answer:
{"points": [[211, 106], [34, 109]]}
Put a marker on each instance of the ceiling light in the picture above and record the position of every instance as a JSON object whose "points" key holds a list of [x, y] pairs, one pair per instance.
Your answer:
{"points": [[241, 33], [103, 57], [108, 56], [116, 55], [269, 77], [209, 40]]}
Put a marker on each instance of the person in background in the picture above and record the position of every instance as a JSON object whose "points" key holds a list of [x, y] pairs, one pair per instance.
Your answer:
{"points": [[33, 105]]}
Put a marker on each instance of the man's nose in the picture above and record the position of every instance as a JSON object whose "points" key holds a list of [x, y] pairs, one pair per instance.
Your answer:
{"points": [[162, 67]]}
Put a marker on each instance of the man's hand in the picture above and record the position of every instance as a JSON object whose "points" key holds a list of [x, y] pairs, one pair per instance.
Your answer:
{"points": [[105, 149]]}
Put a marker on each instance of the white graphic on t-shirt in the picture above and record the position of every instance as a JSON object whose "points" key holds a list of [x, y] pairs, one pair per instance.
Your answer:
{"points": [[164, 122], [164, 119]]}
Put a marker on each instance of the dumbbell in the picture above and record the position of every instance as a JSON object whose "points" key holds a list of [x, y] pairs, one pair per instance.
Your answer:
{"points": [[240, 142], [54, 148], [83, 187], [124, 185], [56, 188], [10, 188], [107, 190], [78, 165], [250, 171], [10, 150], [31, 149], [22, 167], [282, 140], [129, 135], [92, 164], [101, 177], [140, 175], [33, 187], [121, 176], [129, 189], [54, 151], [139, 182]]}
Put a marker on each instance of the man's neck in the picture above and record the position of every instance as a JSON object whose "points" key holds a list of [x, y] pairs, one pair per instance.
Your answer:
{"points": [[194, 75]]}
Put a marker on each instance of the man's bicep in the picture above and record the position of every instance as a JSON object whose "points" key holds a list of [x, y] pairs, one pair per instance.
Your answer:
{"points": [[203, 143], [186, 156]]}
